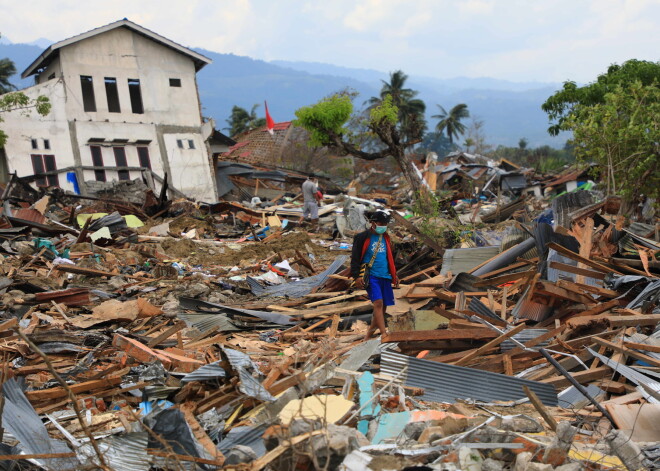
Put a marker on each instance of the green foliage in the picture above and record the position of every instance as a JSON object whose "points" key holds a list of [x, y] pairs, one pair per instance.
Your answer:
{"points": [[622, 135], [543, 158], [560, 105], [384, 113], [410, 115], [450, 122], [329, 115], [240, 120], [19, 101], [7, 69]]}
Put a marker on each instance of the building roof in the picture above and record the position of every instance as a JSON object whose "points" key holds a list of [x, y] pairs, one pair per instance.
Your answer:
{"points": [[258, 145], [53, 50], [220, 138]]}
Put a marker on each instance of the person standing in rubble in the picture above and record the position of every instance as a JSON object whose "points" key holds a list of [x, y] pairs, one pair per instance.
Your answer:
{"points": [[372, 268], [311, 200]]}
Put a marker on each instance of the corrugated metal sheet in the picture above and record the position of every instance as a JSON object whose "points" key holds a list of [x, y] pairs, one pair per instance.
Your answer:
{"points": [[28, 214], [206, 372], [297, 289], [21, 420], [204, 322], [524, 337], [572, 397], [564, 205], [480, 308], [553, 274], [246, 436], [531, 310], [212, 308], [446, 383], [463, 260], [513, 182], [244, 365], [127, 452], [506, 258], [634, 376]]}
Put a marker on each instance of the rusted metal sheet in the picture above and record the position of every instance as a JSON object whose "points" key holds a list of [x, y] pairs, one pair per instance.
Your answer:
{"points": [[68, 297]]}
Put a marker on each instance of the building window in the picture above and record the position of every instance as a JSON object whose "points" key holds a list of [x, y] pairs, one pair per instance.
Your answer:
{"points": [[97, 161], [143, 155], [42, 164], [174, 82], [191, 144], [35, 144], [87, 85], [136, 96], [179, 143], [46, 144], [120, 161], [112, 94]]}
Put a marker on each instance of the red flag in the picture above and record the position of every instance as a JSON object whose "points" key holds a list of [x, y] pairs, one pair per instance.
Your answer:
{"points": [[270, 124]]}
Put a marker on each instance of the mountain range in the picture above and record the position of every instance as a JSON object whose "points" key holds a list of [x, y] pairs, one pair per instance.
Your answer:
{"points": [[509, 110]]}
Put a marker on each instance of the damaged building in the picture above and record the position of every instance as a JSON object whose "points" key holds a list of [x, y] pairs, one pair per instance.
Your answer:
{"points": [[124, 103]]}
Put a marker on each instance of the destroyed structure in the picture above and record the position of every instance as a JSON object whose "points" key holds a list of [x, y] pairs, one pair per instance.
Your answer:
{"points": [[124, 103], [159, 333]]}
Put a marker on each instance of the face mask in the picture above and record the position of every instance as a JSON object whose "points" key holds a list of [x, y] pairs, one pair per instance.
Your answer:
{"points": [[380, 229]]}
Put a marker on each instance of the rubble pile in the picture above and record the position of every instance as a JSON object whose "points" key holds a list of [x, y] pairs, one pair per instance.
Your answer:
{"points": [[148, 333]]}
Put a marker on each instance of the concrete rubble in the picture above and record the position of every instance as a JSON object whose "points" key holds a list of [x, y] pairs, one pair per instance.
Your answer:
{"points": [[149, 333]]}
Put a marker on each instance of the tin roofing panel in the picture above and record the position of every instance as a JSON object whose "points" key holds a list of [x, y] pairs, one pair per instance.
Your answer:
{"points": [[446, 383]]}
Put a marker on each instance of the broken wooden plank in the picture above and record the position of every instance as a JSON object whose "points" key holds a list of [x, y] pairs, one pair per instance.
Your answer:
{"points": [[493, 343], [573, 256], [540, 408], [167, 334], [440, 334], [627, 351], [597, 275], [581, 377]]}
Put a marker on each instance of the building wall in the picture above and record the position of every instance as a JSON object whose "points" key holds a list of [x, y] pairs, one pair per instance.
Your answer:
{"points": [[22, 127], [123, 54], [171, 113]]}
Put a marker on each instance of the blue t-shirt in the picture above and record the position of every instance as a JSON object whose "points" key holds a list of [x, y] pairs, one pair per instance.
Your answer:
{"points": [[380, 268]]}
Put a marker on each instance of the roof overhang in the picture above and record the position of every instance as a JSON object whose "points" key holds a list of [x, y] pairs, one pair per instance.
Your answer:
{"points": [[53, 50]]}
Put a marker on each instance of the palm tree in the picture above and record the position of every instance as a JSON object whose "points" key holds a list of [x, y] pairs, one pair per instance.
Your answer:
{"points": [[7, 69], [411, 109], [450, 123], [241, 121]]}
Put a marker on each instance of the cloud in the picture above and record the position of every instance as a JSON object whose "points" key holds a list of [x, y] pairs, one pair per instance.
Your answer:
{"points": [[508, 39]]}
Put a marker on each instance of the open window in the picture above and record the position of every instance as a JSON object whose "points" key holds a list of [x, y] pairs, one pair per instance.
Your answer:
{"points": [[87, 86], [143, 155], [120, 161], [42, 164], [112, 94], [135, 93], [175, 82], [97, 161]]}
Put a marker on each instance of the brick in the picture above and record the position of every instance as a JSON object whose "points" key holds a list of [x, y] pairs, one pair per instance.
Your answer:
{"points": [[139, 351], [180, 362]]}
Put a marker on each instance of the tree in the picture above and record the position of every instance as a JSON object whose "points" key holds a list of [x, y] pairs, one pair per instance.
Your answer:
{"points": [[240, 120], [19, 101], [622, 135], [560, 105], [411, 110], [469, 142], [451, 122], [477, 137], [522, 143], [7, 69], [436, 142], [326, 122]]}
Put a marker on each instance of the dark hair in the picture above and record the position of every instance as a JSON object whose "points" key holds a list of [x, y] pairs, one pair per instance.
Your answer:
{"points": [[378, 217]]}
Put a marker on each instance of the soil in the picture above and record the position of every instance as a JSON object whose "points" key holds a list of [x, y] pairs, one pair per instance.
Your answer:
{"points": [[253, 252]]}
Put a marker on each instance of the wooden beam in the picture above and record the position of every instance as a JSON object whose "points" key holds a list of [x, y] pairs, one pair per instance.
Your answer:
{"points": [[628, 321], [167, 334], [581, 377], [642, 346], [440, 334], [597, 275], [627, 351], [573, 256], [540, 408], [493, 343]]}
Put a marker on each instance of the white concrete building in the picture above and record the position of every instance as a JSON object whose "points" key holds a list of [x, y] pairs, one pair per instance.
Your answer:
{"points": [[122, 96]]}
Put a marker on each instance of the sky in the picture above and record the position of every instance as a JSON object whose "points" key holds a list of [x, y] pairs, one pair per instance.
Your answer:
{"points": [[516, 40]]}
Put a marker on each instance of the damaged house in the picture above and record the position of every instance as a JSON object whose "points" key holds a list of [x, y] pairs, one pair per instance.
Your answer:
{"points": [[124, 103]]}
